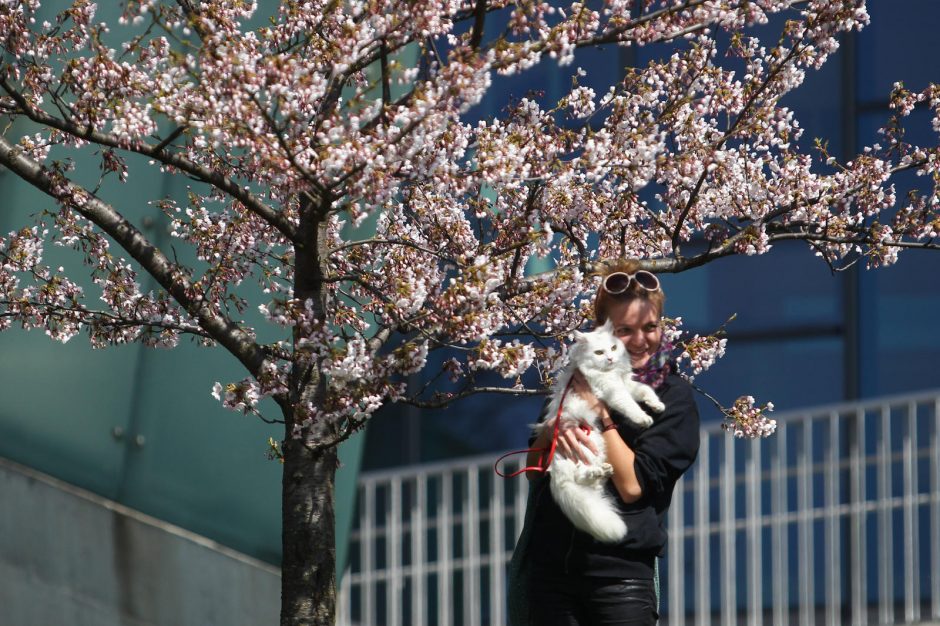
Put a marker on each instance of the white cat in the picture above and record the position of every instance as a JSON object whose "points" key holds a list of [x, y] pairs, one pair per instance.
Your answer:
{"points": [[578, 488]]}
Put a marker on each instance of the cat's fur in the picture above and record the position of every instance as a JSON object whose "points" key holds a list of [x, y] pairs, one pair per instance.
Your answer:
{"points": [[578, 487]]}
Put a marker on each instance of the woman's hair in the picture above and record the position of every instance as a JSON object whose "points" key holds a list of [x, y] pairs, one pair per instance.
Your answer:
{"points": [[603, 299]]}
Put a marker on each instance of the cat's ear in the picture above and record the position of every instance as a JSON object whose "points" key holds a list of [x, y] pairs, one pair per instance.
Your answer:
{"points": [[608, 326], [579, 336]]}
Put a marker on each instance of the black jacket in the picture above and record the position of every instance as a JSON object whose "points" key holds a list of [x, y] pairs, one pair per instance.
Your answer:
{"points": [[663, 452]]}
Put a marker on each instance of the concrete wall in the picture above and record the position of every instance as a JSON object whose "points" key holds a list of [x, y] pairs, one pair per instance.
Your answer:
{"points": [[72, 558]]}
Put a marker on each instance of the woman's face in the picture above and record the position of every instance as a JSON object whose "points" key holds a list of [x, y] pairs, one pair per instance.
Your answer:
{"points": [[637, 324]]}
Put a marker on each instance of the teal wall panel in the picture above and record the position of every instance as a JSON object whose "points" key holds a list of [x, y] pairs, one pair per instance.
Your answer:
{"points": [[201, 466], [59, 404]]}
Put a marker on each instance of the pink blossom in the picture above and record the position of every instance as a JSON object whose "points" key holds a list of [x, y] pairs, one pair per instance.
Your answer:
{"points": [[342, 216], [746, 421]]}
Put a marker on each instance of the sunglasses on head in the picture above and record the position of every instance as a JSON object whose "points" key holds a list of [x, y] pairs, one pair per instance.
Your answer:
{"points": [[619, 282]]}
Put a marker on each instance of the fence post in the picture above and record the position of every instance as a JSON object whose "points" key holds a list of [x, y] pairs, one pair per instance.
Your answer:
{"points": [[703, 592], [858, 555], [833, 521]]}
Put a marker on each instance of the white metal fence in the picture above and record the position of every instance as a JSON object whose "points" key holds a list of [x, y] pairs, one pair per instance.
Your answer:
{"points": [[833, 520]]}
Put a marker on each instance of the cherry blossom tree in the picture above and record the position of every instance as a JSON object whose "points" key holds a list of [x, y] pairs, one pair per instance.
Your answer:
{"points": [[293, 133]]}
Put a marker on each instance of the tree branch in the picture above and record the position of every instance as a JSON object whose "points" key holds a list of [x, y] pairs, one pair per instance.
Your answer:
{"points": [[200, 172], [727, 135], [170, 138], [104, 318], [479, 18], [436, 404], [386, 85], [191, 10], [390, 242], [613, 35], [862, 238], [151, 258]]}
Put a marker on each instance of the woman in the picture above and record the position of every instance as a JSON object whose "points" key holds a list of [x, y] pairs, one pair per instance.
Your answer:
{"points": [[562, 575]]}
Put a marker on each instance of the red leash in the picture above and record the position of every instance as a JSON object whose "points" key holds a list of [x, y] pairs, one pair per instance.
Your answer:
{"points": [[551, 449]]}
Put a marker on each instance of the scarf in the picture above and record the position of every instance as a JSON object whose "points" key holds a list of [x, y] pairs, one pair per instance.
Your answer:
{"points": [[656, 370]]}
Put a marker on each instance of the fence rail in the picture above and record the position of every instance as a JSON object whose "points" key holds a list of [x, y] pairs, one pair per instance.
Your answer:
{"points": [[833, 520]]}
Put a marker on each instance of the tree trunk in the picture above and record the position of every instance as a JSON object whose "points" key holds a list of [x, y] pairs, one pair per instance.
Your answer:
{"points": [[308, 574], [308, 526]]}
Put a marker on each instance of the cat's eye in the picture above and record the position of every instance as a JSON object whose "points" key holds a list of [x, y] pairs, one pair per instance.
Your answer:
{"points": [[613, 348], [598, 352]]}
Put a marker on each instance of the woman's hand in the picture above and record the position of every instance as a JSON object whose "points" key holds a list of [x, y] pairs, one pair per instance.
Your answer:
{"points": [[573, 442]]}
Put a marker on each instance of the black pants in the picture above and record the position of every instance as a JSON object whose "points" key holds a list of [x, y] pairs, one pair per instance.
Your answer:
{"points": [[589, 601]]}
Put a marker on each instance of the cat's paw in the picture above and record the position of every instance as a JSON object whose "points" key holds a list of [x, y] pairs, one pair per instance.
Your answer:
{"points": [[657, 405], [593, 474], [644, 420]]}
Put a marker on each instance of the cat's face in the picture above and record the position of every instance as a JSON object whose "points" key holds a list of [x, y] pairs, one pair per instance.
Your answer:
{"points": [[600, 348]]}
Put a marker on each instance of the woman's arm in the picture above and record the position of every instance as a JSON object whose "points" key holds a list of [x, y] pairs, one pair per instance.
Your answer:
{"points": [[666, 449], [622, 459], [535, 455]]}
